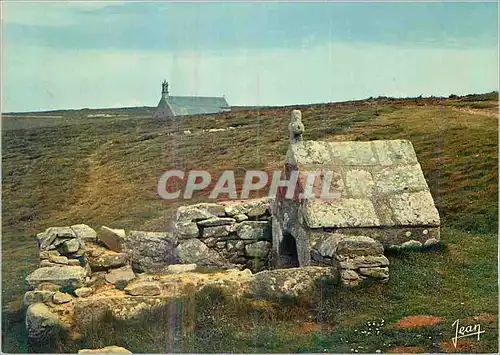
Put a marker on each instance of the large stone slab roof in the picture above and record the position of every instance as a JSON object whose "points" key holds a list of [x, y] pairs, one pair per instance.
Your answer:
{"points": [[379, 183]]}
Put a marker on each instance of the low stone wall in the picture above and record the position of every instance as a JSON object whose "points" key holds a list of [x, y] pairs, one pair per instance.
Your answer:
{"points": [[237, 234]]}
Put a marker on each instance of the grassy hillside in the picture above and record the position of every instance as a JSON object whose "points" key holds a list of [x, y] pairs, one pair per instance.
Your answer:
{"points": [[104, 170]]}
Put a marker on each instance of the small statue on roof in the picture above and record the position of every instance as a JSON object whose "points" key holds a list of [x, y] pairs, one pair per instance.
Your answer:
{"points": [[295, 127]]}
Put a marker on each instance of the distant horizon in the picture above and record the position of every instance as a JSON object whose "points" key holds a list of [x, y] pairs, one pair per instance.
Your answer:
{"points": [[115, 54], [422, 97]]}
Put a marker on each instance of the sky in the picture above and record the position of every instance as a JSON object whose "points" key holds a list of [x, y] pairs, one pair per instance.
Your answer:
{"points": [[61, 55]]}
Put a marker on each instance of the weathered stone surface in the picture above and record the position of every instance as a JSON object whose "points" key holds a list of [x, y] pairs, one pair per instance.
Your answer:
{"points": [[74, 262], [120, 277], [327, 246], [398, 179], [411, 244], [340, 213], [375, 272], [360, 183], [431, 241], [48, 237], [193, 251], [258, 211], [143, 288], [186, 230], [47, 253], [260, 249], [359, 245], [112, 238], [180, 268], [41, 322], [61, 297], [240, 217], [84, 232], [217, 231], [291, 282], [46, 263], [391, 152], [47, 286], [37, 296], [233, 208], [364, 262], [199, 211], [58, 259], [108, 260], [151, 251], [257, 230], [70, 246], [415, 208], [83, 292], [106, 350], [216, 221], [65, 276], [350, 277]]}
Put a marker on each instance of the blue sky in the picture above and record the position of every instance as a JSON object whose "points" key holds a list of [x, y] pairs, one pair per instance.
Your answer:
{"points": [[97, 54]]}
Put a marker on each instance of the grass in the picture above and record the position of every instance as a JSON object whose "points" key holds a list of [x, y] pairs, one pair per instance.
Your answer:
{"points": [[104, 171]]}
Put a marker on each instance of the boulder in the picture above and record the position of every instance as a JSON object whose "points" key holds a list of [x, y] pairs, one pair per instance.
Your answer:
{"points": [[364, 262], [193, 251], [108, 260], [83, 292], [106, 350], [120, 277], [431, 241], [411, 244], [47, 253], [257, 230], [259, 249], [112, 238], [180, 268], [41, 323], [143, 288], [70, 277], [61, 297], [84, 232], [37, 296], [257, 206], [151, 251], [186, 230]]}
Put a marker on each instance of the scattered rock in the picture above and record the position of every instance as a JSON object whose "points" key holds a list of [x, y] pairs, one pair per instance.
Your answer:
{"points": [[41, 323], [83, 292], [143, 288], [120, 277], [106, 350], [65, 276], [61, 297], [112, 238], [180, 268], [84, 232], [431, 241]]}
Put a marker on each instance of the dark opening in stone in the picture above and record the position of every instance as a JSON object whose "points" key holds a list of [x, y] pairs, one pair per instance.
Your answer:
{"points": [[288, 252]]}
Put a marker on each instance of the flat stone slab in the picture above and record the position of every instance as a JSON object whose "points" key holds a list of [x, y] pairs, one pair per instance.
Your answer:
{"points": [[342, 213], [65, 276]]}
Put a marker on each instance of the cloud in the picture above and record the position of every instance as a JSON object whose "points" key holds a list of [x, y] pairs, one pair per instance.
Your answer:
{"points": [[42, 78]]}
